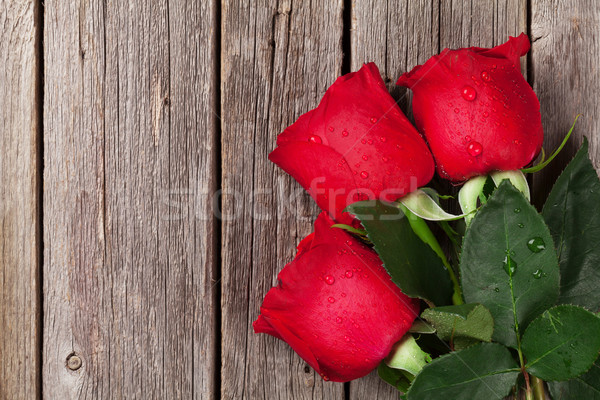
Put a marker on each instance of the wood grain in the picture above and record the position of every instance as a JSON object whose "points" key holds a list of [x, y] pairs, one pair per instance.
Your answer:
{"points": [[20, 237], [277, 62], [566, 78], [399, 34], [129, 234]]}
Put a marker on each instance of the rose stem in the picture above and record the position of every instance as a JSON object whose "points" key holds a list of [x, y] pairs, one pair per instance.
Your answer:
{"points": [[538, 388]]}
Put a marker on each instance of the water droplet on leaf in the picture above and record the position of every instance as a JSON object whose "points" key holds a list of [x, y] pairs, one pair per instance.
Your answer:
{"points": [[510, 266], [517, 210], [537, 274], [536, 244]]}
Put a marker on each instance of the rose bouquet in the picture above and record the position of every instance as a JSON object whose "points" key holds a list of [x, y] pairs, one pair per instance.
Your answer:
{"points": [[506, 302]]}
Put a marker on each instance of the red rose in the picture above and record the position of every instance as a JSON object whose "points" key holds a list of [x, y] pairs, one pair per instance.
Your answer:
{"points": [[336, 305], [356, 144], [476, 109]]}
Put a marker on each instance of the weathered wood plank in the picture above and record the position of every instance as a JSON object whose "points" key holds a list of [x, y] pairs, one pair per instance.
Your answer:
{"points": [[399, 34], [566, 79], [129, 234], [396, 35], [277, 61], [20, 236]]}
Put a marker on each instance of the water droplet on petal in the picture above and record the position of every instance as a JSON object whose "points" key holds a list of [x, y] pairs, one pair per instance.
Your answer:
{"points": [[339, 320], [384, 159], [373, 120], [344, 133], [349, 274], [329, 279], [486, 114], [485, 76], [331, 300], [365, 157], [510, 266], [364, 174], [315, 139], [456, 110], [468, 93], [331, 129], [383, 139], [474, 148], [536, 244], [343, 294]]}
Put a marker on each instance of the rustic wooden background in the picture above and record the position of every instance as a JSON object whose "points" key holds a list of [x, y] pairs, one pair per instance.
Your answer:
{"points": [[141, 223]]}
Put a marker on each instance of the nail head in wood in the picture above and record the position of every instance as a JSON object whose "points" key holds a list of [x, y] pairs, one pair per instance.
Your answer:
{"points": [[74, 362]]}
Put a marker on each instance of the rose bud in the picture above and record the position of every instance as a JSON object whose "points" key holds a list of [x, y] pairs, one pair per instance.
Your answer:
{"points": [[356, 145], [336, 306], [476, 110]]}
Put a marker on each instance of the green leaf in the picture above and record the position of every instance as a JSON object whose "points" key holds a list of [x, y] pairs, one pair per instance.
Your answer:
{"points": [[508, 263], [484, 371], [572, 213], [562, 343], [464, 324], [395, 377], [420, 204], [586, 386], [412, 264]]}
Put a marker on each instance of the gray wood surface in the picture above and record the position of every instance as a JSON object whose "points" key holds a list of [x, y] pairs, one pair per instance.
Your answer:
{"points": [[20, 238], [277, 62], [145, 292], [566, 78], [129, 236]]}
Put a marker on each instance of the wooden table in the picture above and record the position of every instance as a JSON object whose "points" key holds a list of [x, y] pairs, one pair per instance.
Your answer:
{"points": [[141, 223]]}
